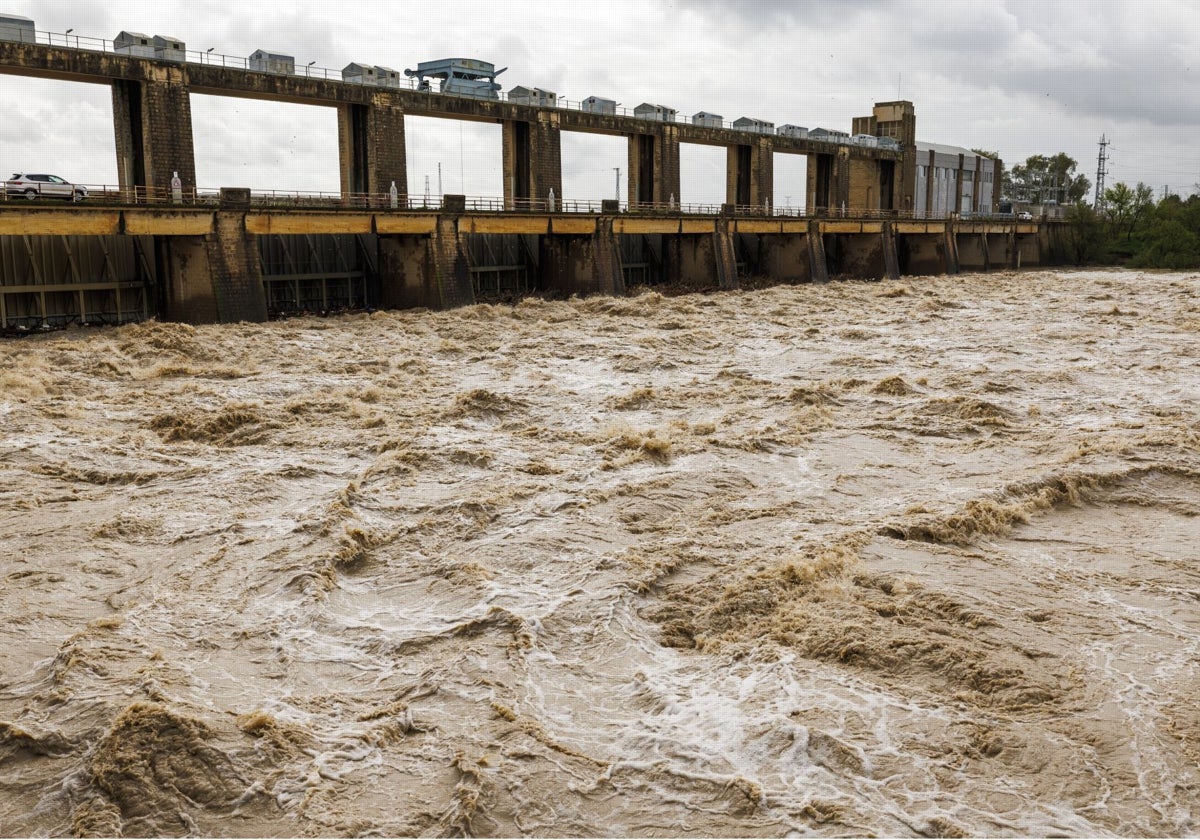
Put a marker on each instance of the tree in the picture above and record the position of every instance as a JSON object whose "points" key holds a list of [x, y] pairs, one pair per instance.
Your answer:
{"points": [[1085, 233], [1168, 245], [1040, 179], [1127, 207], [1169, 235]]}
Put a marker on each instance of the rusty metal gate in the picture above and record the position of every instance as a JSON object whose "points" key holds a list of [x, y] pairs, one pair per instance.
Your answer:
{"points": [[53, 281], [501, 265], [318, 272]]}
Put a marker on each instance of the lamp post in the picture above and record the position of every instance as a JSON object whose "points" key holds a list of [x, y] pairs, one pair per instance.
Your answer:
{"points": [[308, 70], [208, 52]]}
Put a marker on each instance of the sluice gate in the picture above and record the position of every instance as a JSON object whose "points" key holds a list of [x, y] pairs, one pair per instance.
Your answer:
{"points": [[319, 272], [501, 266], [112, 265], [52, 281]]}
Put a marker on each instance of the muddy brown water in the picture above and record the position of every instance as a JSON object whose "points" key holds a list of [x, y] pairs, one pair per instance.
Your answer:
{"points": [[903, 558]]}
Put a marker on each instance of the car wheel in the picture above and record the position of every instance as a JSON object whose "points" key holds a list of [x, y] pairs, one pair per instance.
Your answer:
{"points": [[80, 195], [31, 194]]}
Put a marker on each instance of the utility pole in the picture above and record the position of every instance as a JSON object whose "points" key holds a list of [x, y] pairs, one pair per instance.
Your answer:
{"points": [[1098, 204], [617, 169]]}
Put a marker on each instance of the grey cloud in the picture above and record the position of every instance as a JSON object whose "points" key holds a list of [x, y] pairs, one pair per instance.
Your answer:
{"points": [[1164, 97], [766, 13]]}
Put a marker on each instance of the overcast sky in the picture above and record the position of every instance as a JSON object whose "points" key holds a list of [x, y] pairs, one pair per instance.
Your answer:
{"points": [[1020, 77]]}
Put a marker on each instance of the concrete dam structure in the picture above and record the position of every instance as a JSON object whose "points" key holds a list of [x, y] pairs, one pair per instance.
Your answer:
{"points": [[876, 209]]}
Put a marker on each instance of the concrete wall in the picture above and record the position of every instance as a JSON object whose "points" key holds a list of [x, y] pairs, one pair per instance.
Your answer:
{"points": [[406, 273], [186, 280], [581, 264], [532, 159], [785, 257], [700, 261], [233, 264], [653, 173], [371, 148], [1026, 251], [863, 184], [858, 255], [153, 132], [997, 249], [840, 180], [973, 252], [425, 270], [750, 173], [922, 253]]}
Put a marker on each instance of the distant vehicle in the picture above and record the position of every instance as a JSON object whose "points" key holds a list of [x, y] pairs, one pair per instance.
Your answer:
{"points": [[1025, 216], [33, 186]]}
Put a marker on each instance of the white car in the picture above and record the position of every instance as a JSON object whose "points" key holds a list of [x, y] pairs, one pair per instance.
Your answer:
{"points": [[34, 186], [1025, 216]]}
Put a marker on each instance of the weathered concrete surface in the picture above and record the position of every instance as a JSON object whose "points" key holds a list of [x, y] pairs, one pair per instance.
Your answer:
{"points": [[922, 253], [700, 260], [785, 257], [891, 256], [166, 223], [185, 277], [950, 241], [1026, 250], [532, 157], [973, 254], [750, 172], [861, 255], [581, 264], [234, 267], [16, 220], [997, 249], [371, 151], [425, 270], [152, 123], [653, 173]]}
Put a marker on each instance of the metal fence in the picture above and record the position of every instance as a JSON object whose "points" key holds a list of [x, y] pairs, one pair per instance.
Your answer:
{"points": [[112, 195], [209, 57]]}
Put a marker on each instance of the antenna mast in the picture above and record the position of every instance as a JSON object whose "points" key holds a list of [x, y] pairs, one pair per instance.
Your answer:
{"points": [[1098, 205]]}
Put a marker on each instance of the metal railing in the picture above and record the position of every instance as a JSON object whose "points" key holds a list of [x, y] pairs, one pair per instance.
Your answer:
{"points": [[112, 195], [210, 57]]}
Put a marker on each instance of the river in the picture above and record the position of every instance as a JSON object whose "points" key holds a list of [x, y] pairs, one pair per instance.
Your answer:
{"points": [[906, 558]]}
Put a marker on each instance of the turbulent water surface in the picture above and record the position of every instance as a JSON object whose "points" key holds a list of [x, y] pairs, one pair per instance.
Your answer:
{"points": [[902, 558]]}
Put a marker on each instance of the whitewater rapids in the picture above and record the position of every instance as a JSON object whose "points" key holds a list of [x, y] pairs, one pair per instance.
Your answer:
{"points": [[907, 558]]}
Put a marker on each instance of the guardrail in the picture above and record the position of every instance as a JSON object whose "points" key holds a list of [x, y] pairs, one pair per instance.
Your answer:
{"points": [[210, 57], [111, 195]]}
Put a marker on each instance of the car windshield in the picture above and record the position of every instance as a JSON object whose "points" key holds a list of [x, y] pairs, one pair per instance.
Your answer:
{"points": [[54, 179]]}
